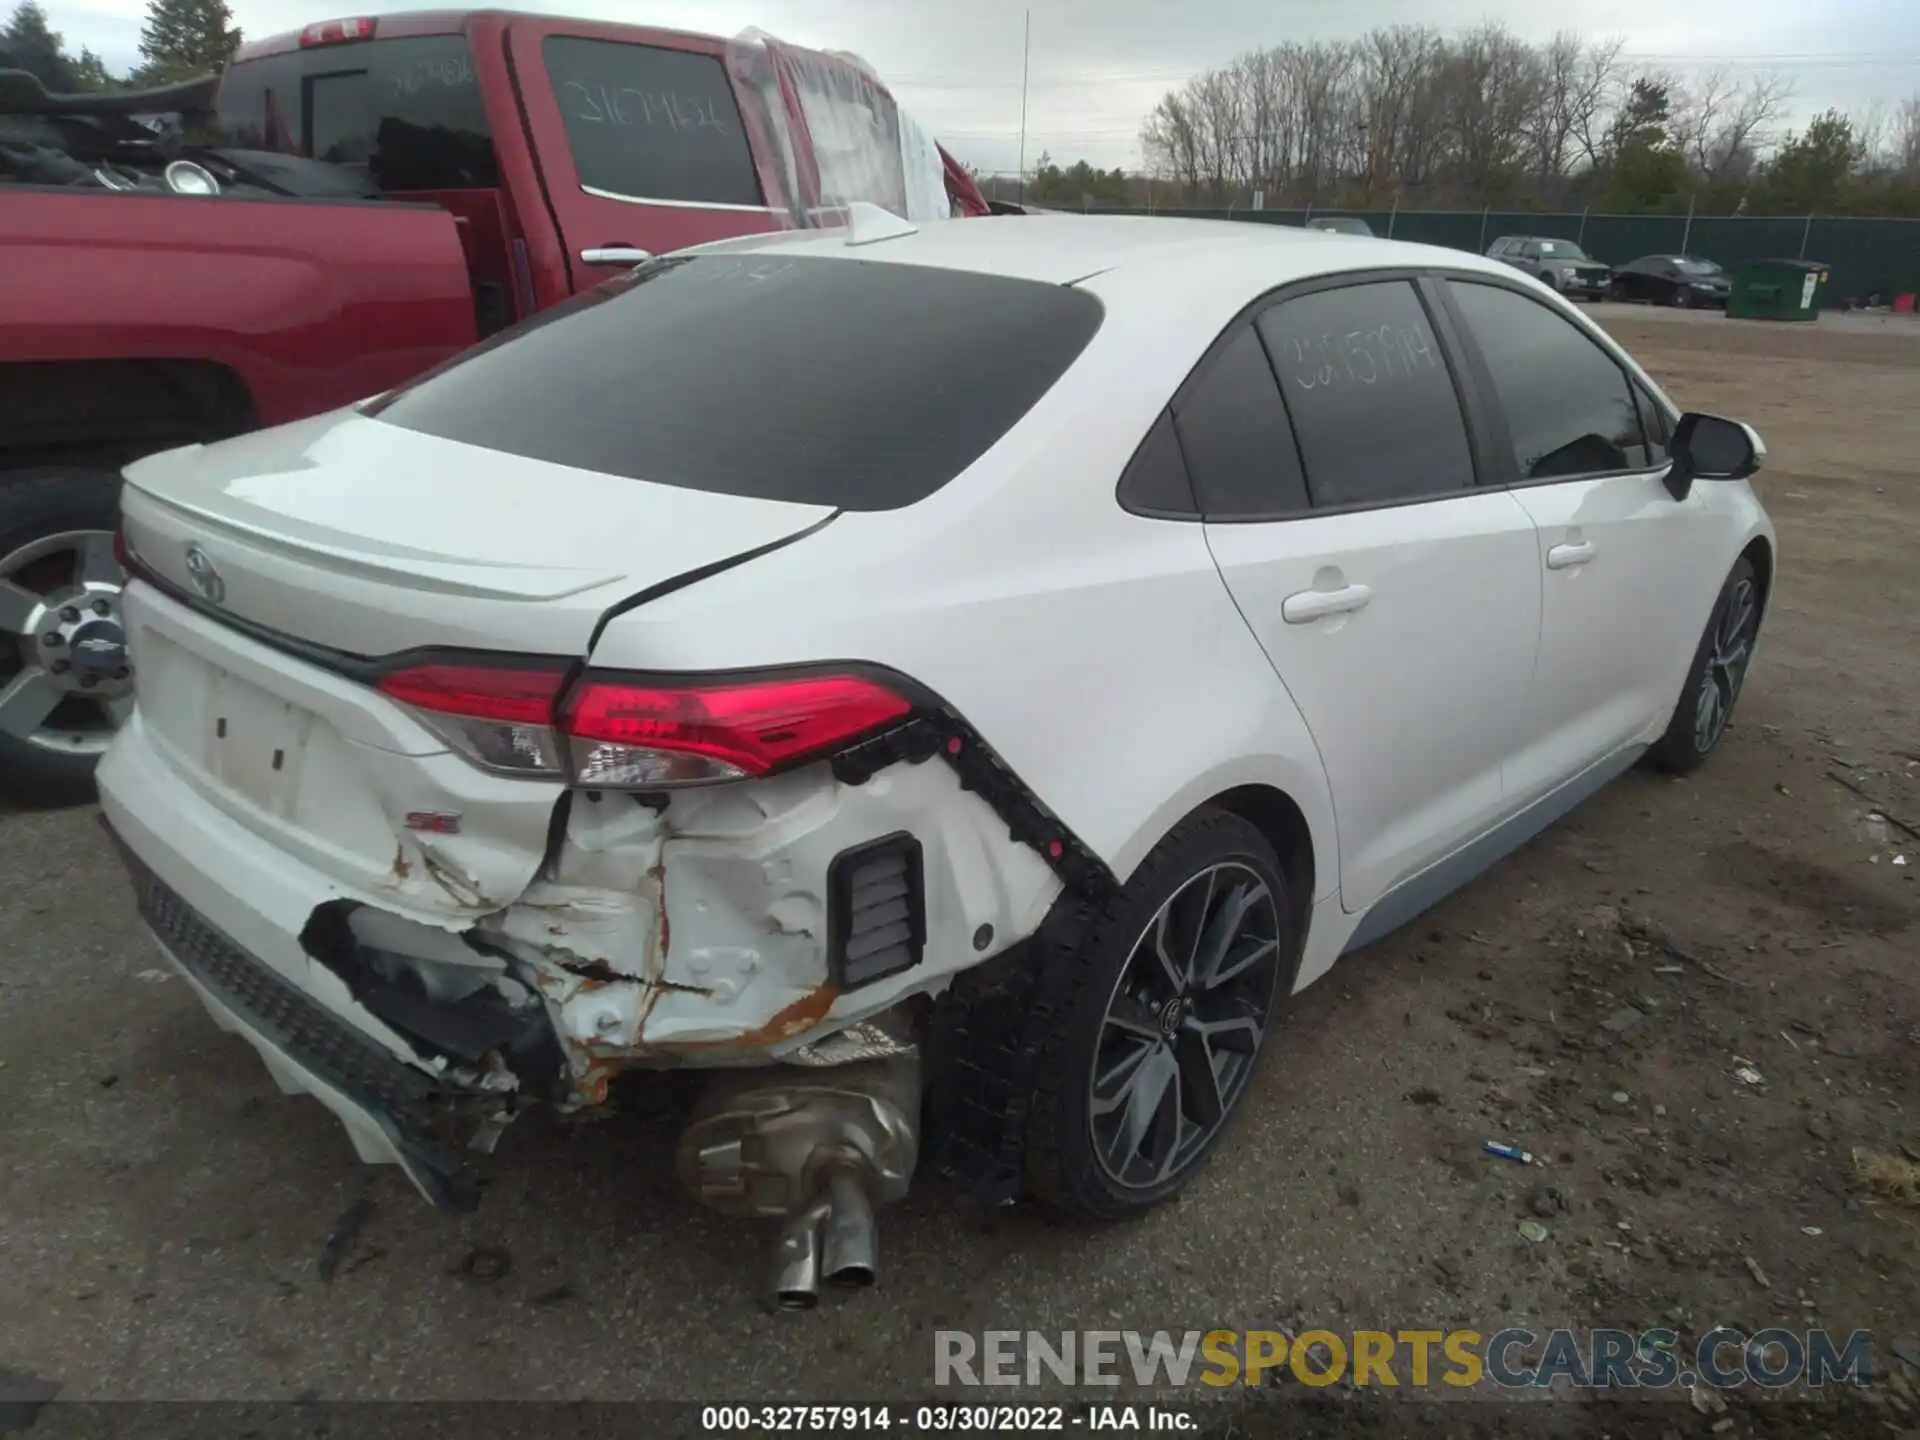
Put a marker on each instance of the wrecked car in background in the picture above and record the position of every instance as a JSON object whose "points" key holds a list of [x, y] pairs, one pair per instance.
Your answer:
{"points": [[345, 207], [905, 670]]}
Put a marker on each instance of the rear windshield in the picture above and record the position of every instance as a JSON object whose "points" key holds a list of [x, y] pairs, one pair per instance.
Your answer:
{"points": [[407, 112], [859, 384]]}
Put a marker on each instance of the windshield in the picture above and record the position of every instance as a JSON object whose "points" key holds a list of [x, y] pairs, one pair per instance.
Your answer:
{"points": [[405, 112], [1697, 267], [1562, 250], [861, 384]]}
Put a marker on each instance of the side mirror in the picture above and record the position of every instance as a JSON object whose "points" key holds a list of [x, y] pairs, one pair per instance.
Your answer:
{"points": [[1706, 447]]}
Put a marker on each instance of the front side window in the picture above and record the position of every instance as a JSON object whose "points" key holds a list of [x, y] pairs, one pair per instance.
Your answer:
{"points": [[1653, 420], [651, 124], [1568, 405], [1372, 400], [859, 384]]}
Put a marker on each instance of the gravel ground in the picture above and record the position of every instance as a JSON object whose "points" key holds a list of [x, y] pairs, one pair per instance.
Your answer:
{"points": [[164, 1212]]}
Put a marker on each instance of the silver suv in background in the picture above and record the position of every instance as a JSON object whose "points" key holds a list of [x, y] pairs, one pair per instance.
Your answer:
{"points": [[1559, 263]]}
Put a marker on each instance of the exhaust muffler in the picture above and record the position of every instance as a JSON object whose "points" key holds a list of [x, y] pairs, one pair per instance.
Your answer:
{"points": [[817, 1148]]}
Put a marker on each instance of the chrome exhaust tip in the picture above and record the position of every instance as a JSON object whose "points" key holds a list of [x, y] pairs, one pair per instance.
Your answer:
{"points": [[850, 1240], [796, 1260]]}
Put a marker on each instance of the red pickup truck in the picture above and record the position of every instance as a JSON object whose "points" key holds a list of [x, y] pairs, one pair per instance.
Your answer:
{"points": [[343, 208]]}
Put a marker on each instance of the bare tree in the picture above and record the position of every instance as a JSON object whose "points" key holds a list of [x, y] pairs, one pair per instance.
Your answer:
{"points": [[1407, 111], [1492, 88], [1872, 125], [1394, 72], [1577, 80], [1722, 125], [1906, 137], [1170, 140]]}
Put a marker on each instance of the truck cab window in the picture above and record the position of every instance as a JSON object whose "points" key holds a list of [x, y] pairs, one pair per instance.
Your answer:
{"points": [[406, 112]]}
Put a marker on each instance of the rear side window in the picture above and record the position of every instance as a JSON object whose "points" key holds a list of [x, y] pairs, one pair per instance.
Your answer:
{"points": [[1372, 399], [651, 124], [407, 111], [861, 384], [1155, 481], [1568, 405], [1233, 431]]}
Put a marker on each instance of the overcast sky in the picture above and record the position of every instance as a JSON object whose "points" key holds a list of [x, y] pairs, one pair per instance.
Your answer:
{"points": [[1099, 65]]}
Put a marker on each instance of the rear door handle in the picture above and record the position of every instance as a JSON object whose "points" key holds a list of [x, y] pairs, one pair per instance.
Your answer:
{"points": [[1565, 557], [616, 253], [1310, 605]]}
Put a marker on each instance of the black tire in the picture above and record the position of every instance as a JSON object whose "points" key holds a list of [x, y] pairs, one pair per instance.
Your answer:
{"points": [[1688, 741], [1682, 298], [35, 504], [1063, 1168]]}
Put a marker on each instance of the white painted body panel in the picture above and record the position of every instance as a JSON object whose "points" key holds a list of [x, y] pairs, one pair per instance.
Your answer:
{"points": [[1613, 647], [1128, 670], [370, 539], [1413, 731]]}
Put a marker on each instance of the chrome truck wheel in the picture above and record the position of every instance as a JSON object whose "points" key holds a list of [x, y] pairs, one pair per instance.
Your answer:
{"points": [[65, 680]]}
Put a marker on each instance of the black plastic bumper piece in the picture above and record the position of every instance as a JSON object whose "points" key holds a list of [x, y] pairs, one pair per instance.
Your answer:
{"points": [[417, 1112]]}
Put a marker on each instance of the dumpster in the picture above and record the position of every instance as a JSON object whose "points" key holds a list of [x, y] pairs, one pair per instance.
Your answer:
{"points": [[1778, 290]]}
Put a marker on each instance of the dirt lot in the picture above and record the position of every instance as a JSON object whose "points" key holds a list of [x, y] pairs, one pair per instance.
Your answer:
{"points": [[164, 1213]]}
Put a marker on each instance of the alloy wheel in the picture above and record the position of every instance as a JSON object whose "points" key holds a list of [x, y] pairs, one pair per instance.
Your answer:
{"points": [[1183, 1025], [65, 681], [1726, 665]]}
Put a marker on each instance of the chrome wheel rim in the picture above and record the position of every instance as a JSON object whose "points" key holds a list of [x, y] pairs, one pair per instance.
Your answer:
{"points": [[1182, 1026], [1726, 665], [65, 680]]}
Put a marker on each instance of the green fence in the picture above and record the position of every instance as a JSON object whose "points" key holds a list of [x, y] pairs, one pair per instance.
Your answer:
{"points": [[1867, 256]]}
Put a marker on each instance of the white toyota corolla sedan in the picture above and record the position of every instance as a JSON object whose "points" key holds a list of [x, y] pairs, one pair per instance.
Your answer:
{"points": [[977, 672]]}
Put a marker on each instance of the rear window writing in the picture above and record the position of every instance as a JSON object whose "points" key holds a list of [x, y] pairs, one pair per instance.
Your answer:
{"points": [[864, 385]]}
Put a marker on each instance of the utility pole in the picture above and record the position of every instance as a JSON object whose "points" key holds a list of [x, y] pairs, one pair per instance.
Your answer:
{"points": [[1026, 58]]}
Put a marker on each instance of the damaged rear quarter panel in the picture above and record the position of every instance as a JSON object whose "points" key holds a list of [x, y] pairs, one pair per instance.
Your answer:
{"points": [[697, 934]]}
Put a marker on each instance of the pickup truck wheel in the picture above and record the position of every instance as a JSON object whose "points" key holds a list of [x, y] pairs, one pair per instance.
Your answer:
{"points": [[65, 684]]}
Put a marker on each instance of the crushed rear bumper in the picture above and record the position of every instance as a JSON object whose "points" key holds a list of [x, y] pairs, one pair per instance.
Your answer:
{"points": [[393, 1112]]}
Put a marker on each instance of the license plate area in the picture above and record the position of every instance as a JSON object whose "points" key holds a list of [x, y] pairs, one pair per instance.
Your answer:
{"points": [[258, 742], [242, 738]]}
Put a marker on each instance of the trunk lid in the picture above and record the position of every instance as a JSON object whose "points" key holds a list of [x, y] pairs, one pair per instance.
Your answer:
{"points": [[366, 538]]}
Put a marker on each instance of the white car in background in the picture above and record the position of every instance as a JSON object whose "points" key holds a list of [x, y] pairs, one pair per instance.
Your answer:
{"points": [[999, 662]]}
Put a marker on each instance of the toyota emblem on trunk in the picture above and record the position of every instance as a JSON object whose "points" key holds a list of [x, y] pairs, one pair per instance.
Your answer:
{"points": [[204, 575]]}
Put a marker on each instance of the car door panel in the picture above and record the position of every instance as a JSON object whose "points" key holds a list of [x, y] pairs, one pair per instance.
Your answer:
{"points": [[1414, 690], [649, 149], [1618, 556], [1398, 605]]}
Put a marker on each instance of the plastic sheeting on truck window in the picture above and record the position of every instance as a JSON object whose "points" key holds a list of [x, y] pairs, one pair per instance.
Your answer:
{"points": [[857, 143]]}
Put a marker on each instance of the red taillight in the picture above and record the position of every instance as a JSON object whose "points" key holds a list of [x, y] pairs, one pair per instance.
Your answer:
{"points": [[478, 692], [499, 717], [122, 552], [337, 32], [642, 734]]}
